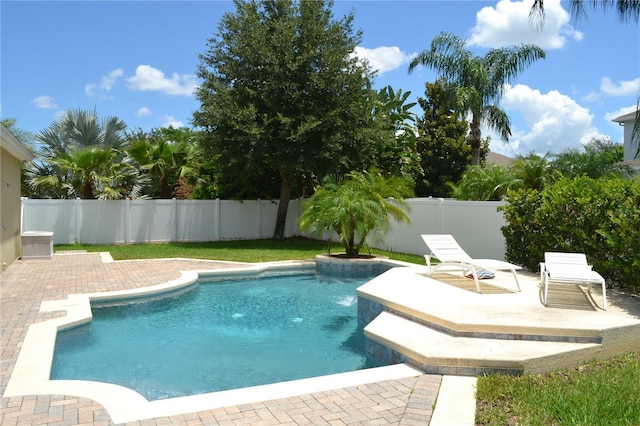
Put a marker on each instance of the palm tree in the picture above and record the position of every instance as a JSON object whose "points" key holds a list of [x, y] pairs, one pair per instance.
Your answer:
{"points": [[82, 156], [165, 160], [490, 183], [532, 170], [479, 81], [628, 10], [356, 207]]}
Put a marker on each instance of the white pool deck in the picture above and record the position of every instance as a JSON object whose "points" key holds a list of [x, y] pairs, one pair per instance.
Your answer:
{"points": [[441, 327]]}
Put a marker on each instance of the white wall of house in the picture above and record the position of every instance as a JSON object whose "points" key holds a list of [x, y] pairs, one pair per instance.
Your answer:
{"points": [[12, 153], [476, 225], [628, 121]]}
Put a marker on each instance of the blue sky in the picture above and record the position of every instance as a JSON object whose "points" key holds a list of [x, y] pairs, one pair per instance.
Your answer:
{"points": [[137, 61]]}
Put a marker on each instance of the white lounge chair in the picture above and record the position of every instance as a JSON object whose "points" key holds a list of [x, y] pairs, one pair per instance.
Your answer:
{"points": [[569, 268], [451, 256]]}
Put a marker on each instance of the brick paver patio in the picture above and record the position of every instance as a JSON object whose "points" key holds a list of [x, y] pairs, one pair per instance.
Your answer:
{"points": [[26, 283]]}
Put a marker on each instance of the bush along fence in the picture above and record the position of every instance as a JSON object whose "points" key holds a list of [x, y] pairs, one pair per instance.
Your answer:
{"points": [[598, 217]]}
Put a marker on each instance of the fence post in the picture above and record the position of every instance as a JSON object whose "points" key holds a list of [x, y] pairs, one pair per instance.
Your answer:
{"points": [[216, 223], [127, 221], [439, 218], [174, 220], [77, 211]]}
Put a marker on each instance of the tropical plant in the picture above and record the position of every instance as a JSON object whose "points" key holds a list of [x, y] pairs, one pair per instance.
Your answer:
{"points": [[169, 156], [485, 183], [600, 157], [397, 154], [531, 170], [627, 10], [479, 81], [283, 97], [356, 207], [82, 156]]}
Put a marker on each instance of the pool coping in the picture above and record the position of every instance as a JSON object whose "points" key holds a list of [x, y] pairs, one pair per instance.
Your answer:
{"points": [[32, 371]]}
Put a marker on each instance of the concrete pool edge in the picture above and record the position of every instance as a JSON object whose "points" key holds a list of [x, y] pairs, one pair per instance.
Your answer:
{"points": [[31, 373]]}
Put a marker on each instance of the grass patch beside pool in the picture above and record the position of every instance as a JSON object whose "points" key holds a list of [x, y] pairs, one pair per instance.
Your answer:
{"points": [[237, 250], [598, 393]]}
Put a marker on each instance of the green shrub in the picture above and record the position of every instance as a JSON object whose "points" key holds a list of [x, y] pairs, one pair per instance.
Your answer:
{"points": [[598, 217]]}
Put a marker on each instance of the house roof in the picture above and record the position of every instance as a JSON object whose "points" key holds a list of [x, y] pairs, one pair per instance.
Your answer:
{"points": [[12, 145], [498, 159], [626, 117]]}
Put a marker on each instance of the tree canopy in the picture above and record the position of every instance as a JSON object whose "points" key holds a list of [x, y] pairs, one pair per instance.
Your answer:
{"points": [[283, 94], [441, 142]]}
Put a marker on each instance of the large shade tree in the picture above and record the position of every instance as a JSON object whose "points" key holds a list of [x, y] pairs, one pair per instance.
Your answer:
{"points": [[479, 81], [441, 142], [283, 93]]}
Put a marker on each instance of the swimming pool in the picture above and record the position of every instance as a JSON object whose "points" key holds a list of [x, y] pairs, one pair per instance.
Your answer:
{"points": [[221, 334]]}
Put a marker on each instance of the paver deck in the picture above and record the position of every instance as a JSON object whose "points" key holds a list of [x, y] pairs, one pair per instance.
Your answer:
{"points": [[449, 304], [27, 283]]}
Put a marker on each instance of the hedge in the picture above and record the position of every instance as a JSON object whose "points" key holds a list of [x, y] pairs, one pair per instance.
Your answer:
{"points": [[598, 217]]}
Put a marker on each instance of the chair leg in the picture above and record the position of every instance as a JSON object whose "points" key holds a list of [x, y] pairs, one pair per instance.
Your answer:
{"points": [[546, 291], [515, 276], [474, 273]]}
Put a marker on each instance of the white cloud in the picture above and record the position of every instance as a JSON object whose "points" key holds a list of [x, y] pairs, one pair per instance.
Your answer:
{"points": [[105, 85], [554, 121], [623, 88], [143, 112], [170, 120], [384, 58], [509, 24], [45, 102], [148, 78]]}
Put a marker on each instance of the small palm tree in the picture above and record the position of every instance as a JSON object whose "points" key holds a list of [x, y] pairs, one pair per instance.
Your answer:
{"points": [[165, 159], [533, 170], [479, 81], [356, 207], [490, 183]]}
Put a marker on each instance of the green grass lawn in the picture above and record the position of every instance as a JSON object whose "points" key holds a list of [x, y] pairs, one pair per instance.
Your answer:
{"points": [[238, 250], [598, 393]]}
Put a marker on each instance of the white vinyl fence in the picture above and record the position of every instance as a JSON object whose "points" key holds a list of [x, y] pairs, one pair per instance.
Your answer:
{"points": [[476, 225]]}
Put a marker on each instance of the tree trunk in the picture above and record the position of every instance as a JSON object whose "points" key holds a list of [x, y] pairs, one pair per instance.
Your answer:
{"points": [[283, 205], [475, 138], [165, 191], [87, 190]]}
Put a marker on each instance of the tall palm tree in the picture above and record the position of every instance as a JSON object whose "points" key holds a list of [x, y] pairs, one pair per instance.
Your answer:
{"points": [[81, 156], [479, 81]]}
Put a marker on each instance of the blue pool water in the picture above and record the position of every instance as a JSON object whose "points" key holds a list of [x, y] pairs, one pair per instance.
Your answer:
{"points": [[221, 335]]}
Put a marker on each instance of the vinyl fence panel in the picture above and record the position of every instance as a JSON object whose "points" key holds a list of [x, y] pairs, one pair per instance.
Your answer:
{"points": [[476, 225]]}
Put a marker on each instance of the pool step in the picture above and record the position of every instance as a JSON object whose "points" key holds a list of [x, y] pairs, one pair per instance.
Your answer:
{"points": [[398, 339]]}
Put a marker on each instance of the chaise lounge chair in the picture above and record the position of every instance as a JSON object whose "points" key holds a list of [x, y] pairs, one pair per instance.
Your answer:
{"points": [[569, 268], [451, 256]]}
